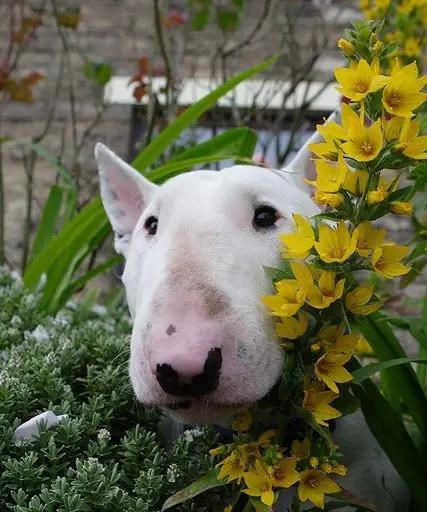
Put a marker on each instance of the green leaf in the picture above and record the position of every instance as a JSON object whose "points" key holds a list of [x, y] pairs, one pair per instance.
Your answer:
{"points": [[346, 403], [308, 417], [150, 153], [56, 164], [99, 72], [405, 384], [259, 506], [228, 19], [201, 19], [85, 278], [48, 220], [237, 141], [208, 481], [367, 371], [167, 171], [84, 224], [392, 436]]}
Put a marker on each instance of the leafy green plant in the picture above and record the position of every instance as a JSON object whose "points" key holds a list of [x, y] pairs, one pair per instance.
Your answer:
{"points": [[107, 455]]}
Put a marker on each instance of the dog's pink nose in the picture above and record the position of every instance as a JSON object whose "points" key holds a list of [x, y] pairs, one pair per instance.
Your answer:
{"points": [[186, 356], [182, 380]]}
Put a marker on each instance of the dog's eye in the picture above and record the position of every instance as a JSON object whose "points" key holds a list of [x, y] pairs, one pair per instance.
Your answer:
{"points": [[265, 217], [151, 225]]}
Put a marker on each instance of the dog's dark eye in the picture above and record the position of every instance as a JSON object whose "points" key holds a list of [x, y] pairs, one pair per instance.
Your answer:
{"points": [[265, 217], [151, 225]]}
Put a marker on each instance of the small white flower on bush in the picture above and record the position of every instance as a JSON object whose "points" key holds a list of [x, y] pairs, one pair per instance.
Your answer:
{"points": [[191, 434], [104, 434], [29, 300], [99, 310], [16, 321], [172, 473], [51, 358], [40, 334]]}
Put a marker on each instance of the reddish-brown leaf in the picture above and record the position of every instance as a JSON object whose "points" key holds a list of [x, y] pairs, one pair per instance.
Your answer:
{"points": [[139, 92]]}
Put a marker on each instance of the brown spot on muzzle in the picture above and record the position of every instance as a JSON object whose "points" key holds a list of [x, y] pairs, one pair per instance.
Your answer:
{"points": [[188, 274], [170, 330]]}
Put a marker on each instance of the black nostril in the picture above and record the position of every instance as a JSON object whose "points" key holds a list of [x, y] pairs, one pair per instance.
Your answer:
{"points": [[200, 385]]}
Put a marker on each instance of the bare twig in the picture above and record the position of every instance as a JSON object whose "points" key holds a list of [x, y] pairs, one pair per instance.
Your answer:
{"points": [[2, 205], [164, 53], [250, 37]]}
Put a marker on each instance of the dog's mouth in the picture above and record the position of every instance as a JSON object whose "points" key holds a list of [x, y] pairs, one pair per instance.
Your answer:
{"points": [[187, 404]]}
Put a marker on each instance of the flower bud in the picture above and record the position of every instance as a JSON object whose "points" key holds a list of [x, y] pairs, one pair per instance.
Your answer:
{"points": [[346, 47], [326, 468], [314, 462], [315, 347], [401, 207]]}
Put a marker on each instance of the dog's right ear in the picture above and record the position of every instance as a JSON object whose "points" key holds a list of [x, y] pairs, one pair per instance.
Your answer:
{"points": [[125, 194]]}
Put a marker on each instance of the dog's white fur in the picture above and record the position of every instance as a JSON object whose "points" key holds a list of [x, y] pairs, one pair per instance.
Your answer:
{"points": [[200, 278]]}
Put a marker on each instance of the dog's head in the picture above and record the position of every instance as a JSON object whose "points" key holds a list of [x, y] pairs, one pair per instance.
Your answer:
{"points": [[196, 248]]}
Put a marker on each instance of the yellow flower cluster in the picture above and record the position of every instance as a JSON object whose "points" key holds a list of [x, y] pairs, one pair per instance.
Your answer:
{"points": [[319, 291], [265, 467], [404, 21]]}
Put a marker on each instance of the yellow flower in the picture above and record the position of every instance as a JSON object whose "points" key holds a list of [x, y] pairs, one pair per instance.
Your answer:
{"points": [[368, 238], [265, 438], [243, 422], [317, 402], [343, 344], [355, 182], [249, 452], [292, 328], [284, 473], [401, 207], [299, 243], [330, 370], [327, 199], [313, 486], [365, 142], [363, 348], [402, 94], [386, 260], [326, 292], [357, 301], [314, 462], [339, 469], [259, 483], [359, 80], [333, 339], [335, 245], [329, 177], [219, 450], [410, 144], [301, 449], [228, 508], [380, 194], [412, 47], [233, 467], [289, 299], [392, 127], [334, 134], [346, 47], [326, 468]]}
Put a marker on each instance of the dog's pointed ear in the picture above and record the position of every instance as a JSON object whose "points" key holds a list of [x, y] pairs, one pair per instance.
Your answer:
{"points": [[125, 194], [301, 166]]}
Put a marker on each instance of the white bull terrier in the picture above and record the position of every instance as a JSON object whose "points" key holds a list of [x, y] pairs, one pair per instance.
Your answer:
{"points": [[203, 346]]}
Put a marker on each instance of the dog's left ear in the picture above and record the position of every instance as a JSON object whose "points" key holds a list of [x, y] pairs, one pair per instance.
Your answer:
{"points": [[125, 194], [301, 166]]}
